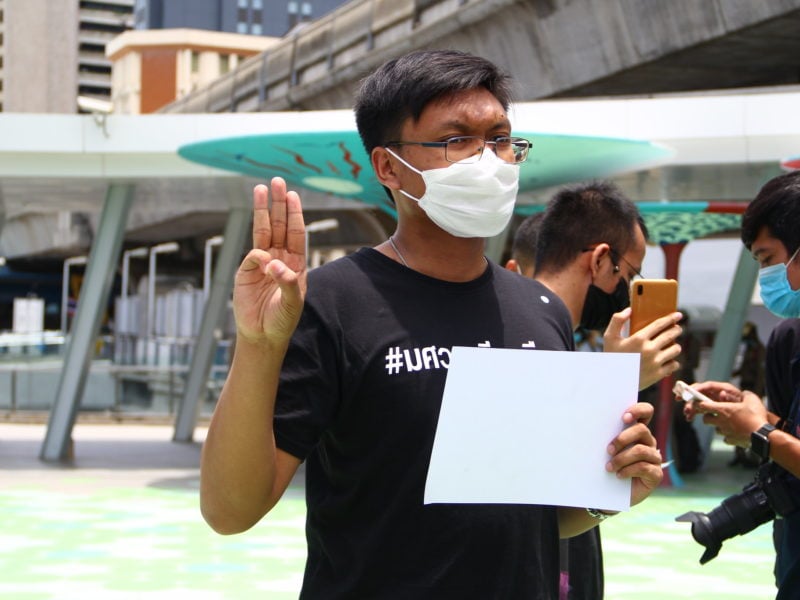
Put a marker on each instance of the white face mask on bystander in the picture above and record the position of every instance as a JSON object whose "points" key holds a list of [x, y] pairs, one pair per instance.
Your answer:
{"points": [[469, 199]]}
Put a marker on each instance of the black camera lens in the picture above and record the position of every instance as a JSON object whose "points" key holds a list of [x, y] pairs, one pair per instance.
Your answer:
{"points": [[736, 515]]}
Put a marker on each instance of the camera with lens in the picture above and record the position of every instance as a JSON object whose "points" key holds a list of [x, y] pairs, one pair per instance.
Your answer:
{"points": [[767, 496]]}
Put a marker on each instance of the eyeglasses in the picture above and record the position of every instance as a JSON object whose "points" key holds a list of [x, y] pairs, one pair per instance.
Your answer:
{"points": [[616, 257], [469, 148], [636, 272]]}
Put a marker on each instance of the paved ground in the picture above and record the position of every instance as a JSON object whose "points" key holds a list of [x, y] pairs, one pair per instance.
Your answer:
{"points": [[123, 523]]}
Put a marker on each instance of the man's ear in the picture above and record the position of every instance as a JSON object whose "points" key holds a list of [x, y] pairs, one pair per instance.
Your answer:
{"points": [[384, 167], [597, 256], [512, 265]]}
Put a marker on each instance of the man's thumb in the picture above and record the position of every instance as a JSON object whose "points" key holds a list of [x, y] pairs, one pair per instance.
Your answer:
{"points": [[617, 322]]}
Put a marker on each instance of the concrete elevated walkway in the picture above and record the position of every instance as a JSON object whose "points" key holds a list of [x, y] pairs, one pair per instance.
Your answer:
{"points": [[554, 48]]}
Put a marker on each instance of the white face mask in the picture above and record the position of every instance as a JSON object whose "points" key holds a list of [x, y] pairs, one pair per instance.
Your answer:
{"points": [[469, 199]]}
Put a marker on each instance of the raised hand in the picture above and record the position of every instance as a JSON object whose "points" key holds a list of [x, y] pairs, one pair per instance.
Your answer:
{"points": [[270, 284]]}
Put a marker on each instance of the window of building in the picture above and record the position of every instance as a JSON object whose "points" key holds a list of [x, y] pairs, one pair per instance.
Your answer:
{"points": [[195, 62], [306, 10], [292, 10], [224, 63], [257, 4], [256, 29], [241, 27], [242, 3]]}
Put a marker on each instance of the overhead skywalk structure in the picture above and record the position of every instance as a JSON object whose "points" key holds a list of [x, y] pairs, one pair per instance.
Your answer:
{"points": [[57, 162]]}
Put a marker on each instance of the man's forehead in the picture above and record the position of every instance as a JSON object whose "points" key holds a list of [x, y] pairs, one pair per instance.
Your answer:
{"points": [[765, 244]]}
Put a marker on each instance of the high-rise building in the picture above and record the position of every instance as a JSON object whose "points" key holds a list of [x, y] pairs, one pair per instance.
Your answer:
{"points": [[52, 52], [256, 17], [100, 22]]}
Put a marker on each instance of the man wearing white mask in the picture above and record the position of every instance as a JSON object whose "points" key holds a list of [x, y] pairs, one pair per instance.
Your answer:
{"points": [[771, 231], [344, 368]]}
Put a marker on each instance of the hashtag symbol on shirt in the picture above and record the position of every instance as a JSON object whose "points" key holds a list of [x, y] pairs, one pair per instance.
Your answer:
{"points": [[394, 360]]}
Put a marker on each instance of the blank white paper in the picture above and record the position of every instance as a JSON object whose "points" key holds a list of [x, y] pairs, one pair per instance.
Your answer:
{"points": [[531, 427]]}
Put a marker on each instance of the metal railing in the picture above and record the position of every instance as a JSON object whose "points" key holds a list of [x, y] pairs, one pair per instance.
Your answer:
{"points": [[30, 366], [164, 385]]}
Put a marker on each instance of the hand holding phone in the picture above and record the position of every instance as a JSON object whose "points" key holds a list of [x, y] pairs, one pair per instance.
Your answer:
{"points": [[652, 299], [686, 392]]}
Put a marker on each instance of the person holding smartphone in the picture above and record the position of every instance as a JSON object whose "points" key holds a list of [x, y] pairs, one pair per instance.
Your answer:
{"points": [[771, 231], [586, 247]]}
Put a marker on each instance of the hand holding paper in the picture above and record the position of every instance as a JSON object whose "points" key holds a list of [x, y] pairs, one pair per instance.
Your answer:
{"points": [[635, 455], [540, 427]]}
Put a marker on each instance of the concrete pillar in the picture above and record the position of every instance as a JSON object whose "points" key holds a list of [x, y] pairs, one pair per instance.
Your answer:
{"points": [[729, 334], [93, 299], [230, 254]]}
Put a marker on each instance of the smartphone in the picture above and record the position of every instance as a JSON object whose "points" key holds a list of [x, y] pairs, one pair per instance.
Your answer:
{"points": [[652, 299], [688, 393]]}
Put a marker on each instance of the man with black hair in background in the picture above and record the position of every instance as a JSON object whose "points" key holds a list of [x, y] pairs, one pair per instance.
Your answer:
{"points": [[588, 245], [771, 231]]}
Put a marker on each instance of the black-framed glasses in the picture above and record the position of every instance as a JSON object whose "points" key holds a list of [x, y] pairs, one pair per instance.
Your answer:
{"points": [[469, 148], [615, 258], [636, 272]]}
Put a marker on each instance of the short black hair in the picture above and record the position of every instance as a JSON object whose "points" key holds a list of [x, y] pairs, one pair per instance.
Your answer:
{"points": [[776, 207], [581, 216], [404, 86], [523, 249]]}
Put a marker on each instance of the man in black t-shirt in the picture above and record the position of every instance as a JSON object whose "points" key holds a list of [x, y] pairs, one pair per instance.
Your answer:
{"points": [[344, 367], [586, 247], [771, 232]]}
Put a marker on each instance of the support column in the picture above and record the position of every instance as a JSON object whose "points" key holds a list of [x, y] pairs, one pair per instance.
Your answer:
{"points": [[230, 254], [672, 257], [94, 293], [729, 334]]}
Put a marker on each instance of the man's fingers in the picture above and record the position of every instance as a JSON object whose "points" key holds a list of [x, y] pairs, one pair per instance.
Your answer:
{"points": [[277, 213], [255, 259], [618, 320], [262, 230], [664, 330], [295, 229], [641, 412], [287, 280]]}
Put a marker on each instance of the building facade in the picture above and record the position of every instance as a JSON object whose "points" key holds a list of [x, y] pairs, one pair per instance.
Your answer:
{"points": [[153, 68], [67, 60], [273, 18]]}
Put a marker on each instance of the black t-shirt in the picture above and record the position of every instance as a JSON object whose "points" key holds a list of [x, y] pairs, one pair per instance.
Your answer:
{"points": [[359, 401], [783, 389], [782, 347]]}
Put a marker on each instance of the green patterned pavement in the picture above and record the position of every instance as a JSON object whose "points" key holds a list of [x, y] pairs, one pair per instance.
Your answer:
{"points": [[134, 531]]}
